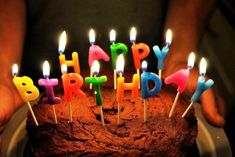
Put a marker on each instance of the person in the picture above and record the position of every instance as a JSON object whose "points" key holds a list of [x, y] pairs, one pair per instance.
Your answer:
{"points": [[31, 26]]}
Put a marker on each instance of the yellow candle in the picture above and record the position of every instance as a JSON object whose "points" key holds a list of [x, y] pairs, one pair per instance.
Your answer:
{"points": [[26, 89], [75, 59]]}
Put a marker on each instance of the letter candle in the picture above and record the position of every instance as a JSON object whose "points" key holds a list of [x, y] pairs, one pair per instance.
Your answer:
{"points": [[75, 59], [72, 82], [48, 84], [122, 86], [96, 81], [201, 85], [161, 54], [180, 78], [116, 49], [26, 89], [146, 92], [95, 52], [139, 50]]}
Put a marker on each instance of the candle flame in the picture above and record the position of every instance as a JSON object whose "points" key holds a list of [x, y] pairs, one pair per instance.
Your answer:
{"points": [[144, 65], [46, 69], [95, 67], [203, 66], [133, 34], [120, 64], [63, 68], [92, 36], [62, 42], [112, 36], [191, 60], [168, 36], [15, 69]]}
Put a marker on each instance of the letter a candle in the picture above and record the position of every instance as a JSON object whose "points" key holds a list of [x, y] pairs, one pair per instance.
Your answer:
{"points": [[95, 52], [96, 81], [201, 85], [139, 50], [122, 86], [146, 92], [180, 78], [48, 84], [116, 49], [26, 89]]}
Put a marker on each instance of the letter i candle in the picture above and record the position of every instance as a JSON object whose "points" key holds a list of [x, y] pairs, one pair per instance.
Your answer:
{"points": [[139, 50], [96, 81], [48, 84], [116, 49], [146, 92], [95, 52], [201, 85], [161, 54], [26, 89], [180, 78]]}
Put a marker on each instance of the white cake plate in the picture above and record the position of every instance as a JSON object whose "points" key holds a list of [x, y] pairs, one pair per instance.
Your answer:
{"points": [[211, 141]]}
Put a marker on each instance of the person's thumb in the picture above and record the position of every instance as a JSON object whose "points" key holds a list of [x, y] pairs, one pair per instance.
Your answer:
{"points": [[210, 108]]}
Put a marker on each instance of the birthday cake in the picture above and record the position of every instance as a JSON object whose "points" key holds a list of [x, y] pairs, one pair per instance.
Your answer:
{"points": [[86, 136]]}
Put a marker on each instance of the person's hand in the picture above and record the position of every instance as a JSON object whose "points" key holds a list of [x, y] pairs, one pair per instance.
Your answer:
{"points": [[10, 101], [212, 103]]}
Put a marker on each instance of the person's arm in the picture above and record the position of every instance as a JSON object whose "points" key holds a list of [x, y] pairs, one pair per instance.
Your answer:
{"points": [[12, 30], [187, 19]]}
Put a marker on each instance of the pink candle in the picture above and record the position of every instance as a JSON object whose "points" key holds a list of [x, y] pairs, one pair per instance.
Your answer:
{"points": [[48, 84], [180, 78]]}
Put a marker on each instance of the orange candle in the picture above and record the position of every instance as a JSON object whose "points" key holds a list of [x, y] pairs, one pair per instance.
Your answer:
{"points": [[72, 82], [139, 50], [122, 86]]}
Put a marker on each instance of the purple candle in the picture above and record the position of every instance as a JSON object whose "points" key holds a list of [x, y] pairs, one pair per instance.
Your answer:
{"points": [[48, 84]]}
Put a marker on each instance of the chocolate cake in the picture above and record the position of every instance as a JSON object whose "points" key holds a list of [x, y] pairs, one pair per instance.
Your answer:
{"points": [[86, 136]]}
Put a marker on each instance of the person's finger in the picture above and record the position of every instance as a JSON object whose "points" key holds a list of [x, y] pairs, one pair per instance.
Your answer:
{"points": [[210, 109]]}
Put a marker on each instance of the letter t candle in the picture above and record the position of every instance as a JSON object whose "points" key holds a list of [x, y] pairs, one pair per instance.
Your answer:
{"points": [[96, 81]]}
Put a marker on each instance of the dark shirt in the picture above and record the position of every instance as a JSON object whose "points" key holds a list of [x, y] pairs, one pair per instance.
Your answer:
{"points": [[48, 18]]}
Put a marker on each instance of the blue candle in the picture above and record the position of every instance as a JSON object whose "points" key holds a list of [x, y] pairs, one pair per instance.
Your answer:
{"points": [[161, 54], [201, 87], [146, 92]]}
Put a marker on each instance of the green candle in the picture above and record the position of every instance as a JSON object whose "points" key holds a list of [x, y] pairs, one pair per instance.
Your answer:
{"points": [[116, 49], [96, 81]]}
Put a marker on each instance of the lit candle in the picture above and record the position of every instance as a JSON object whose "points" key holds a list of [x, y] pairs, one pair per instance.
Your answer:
{"points": [[75, 59], [116, 49], [72, 82], [48, 84], [180, 78], [26, 89], [201, 85], [95, 52], [139, 50], [146, 92], [161, 54], [96, 81], [122, 86]]}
